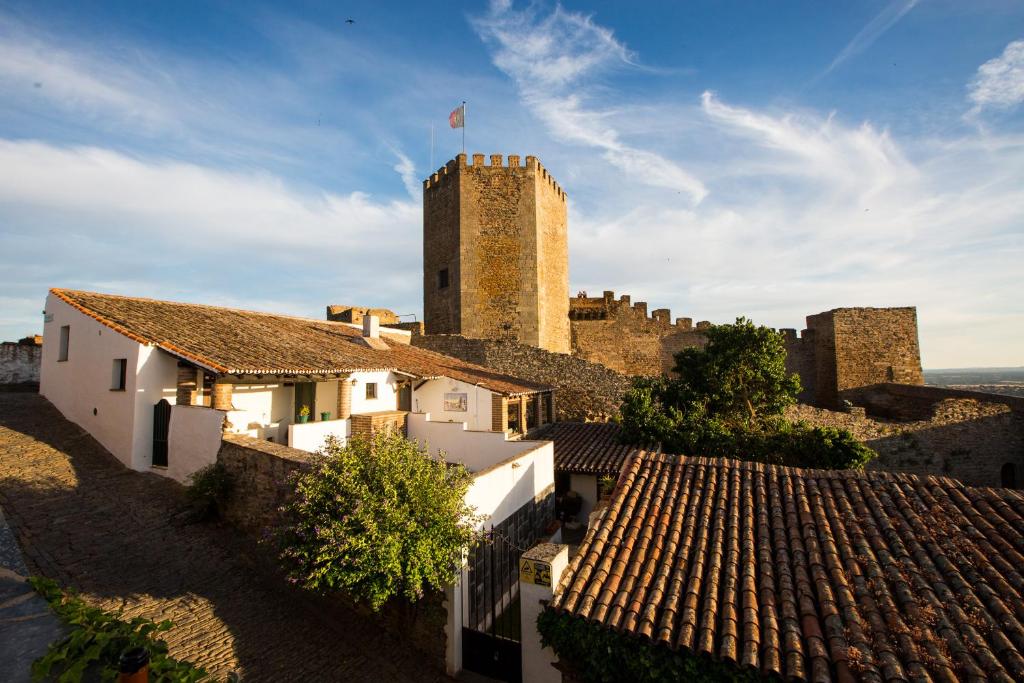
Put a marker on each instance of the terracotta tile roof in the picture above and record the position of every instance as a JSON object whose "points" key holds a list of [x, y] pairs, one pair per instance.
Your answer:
{"points": [[587, 447], [812, 575], [228, 341]]}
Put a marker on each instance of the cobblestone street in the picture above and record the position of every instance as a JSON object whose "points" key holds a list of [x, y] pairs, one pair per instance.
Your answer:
{"points": [[88, 522]]}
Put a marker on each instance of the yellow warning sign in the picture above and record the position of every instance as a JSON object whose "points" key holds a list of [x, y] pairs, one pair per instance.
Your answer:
{"points": [[535, 572]]}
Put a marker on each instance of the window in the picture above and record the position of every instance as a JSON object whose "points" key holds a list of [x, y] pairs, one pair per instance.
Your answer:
{"points": [[442, 278], [65, 335], [545, 409], [371, 390], [531, 412], [119, 374]]}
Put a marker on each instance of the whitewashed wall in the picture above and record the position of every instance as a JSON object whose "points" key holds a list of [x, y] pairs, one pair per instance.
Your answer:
{"points": [[586, 486], [312, 435], [326, 399], [504, 488], [387, 396], [475, 449], [193, 440], [429, 398], [262, 410]]}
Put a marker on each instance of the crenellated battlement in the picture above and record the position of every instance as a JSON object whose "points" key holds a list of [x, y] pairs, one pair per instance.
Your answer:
{"points": [[606, 307], [496, 164]]}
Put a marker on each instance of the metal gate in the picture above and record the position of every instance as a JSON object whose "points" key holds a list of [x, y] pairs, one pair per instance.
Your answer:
{"points": [[491, 629], [161, 425]]}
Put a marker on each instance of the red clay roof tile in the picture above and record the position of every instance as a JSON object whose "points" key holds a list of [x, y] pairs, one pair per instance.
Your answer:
{"points": [[809, 574], [231, 341], [587, 447]]}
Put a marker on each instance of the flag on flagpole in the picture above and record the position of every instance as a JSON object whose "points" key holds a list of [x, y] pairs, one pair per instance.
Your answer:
{"points": [[457, 119]]}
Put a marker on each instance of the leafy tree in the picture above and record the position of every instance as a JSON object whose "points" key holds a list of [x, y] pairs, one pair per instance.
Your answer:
{"points": [[739, 376], [728, 400], [378, 518]]}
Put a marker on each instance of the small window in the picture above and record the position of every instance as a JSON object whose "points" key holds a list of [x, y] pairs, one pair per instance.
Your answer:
{"points": [[119, 374], [371, 390], [65, 336], [442, 278]]}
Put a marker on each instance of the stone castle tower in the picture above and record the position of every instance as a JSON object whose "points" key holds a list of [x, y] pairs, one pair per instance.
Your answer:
{"points": [[496, 252]]}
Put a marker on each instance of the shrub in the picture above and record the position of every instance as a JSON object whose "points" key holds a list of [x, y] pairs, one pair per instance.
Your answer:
{"points": [[209, 488], [378, 519], [96, 640], [728, 401]]}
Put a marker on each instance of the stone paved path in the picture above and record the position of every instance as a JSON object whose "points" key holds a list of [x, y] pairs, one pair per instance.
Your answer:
{"points": [[88, 522]]}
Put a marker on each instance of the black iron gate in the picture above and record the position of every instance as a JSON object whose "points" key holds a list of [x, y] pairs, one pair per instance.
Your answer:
{"points": [[161, 425], [491, 629]]}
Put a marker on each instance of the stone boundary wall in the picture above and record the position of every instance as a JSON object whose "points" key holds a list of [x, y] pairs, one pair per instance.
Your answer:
{"points": [[19, 363], [962, 438], [584, 391], [260, 471], [918, 402]]}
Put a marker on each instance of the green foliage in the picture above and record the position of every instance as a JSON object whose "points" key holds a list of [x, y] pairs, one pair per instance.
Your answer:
{"points": [[97, 639], [602, 655], [209, 488], [379, 518], [739, 376], [728, 401]]}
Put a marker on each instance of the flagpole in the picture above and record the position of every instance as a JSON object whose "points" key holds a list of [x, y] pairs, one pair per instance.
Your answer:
{"points": [[463, 126]]}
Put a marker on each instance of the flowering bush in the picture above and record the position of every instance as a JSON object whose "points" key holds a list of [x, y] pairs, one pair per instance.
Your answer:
{"points": [[378, 518]]}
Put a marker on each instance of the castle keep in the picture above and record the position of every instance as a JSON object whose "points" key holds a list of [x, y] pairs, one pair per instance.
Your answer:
{"points": [[496, 266], [496, 252]]}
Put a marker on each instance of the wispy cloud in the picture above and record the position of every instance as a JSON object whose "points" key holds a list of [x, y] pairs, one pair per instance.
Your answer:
{"points": [[867, 36], [999, 83], [555, 61]]}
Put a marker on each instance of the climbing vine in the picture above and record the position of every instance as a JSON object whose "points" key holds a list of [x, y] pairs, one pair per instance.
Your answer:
{"points": [[597, 654]]}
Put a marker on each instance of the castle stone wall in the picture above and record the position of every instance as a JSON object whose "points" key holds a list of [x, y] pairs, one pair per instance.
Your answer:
{"points": [[500, 233], [620, 335], [966, 439], [584, 391]]}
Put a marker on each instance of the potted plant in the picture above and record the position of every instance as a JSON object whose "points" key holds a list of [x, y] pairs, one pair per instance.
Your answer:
{"points": [[607, 485], [325, 416], [304, 414]]}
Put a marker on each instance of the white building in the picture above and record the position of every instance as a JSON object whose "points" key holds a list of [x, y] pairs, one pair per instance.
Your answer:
{"points": [[155, 382]]}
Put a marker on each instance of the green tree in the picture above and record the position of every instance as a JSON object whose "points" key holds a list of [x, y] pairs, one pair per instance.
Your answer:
{"points": [[728, 399], [739, 376], [378, 518]]}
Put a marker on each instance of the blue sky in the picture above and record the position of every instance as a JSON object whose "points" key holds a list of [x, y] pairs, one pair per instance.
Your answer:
{"points": [[763, 159]]}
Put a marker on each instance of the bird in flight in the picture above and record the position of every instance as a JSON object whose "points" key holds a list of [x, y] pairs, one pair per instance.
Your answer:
{"points": [[350, 21]]}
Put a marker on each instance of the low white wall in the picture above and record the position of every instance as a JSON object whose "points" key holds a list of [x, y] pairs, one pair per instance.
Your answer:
{"points": [[504, 488], [586, 486], [429, 398], [476, 450], [311, 436], [193, 440]]}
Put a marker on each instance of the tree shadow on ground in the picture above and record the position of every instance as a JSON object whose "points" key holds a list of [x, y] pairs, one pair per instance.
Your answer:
{"points": [[113, 534]]}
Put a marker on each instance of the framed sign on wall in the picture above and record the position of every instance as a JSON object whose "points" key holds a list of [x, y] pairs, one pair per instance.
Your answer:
{"points": [[456, 403]]}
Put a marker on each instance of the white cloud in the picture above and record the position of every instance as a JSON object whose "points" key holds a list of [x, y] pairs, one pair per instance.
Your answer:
{"points": [[97, 219], [554, 60], [871, 32], [999, 83]]}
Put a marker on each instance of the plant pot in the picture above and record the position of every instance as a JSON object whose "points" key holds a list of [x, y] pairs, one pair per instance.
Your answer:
{"points": [[325, 416], [303, 419]]}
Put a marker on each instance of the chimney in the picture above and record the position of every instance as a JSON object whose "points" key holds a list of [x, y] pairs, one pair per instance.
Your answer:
{"points": [[371, 327]]}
